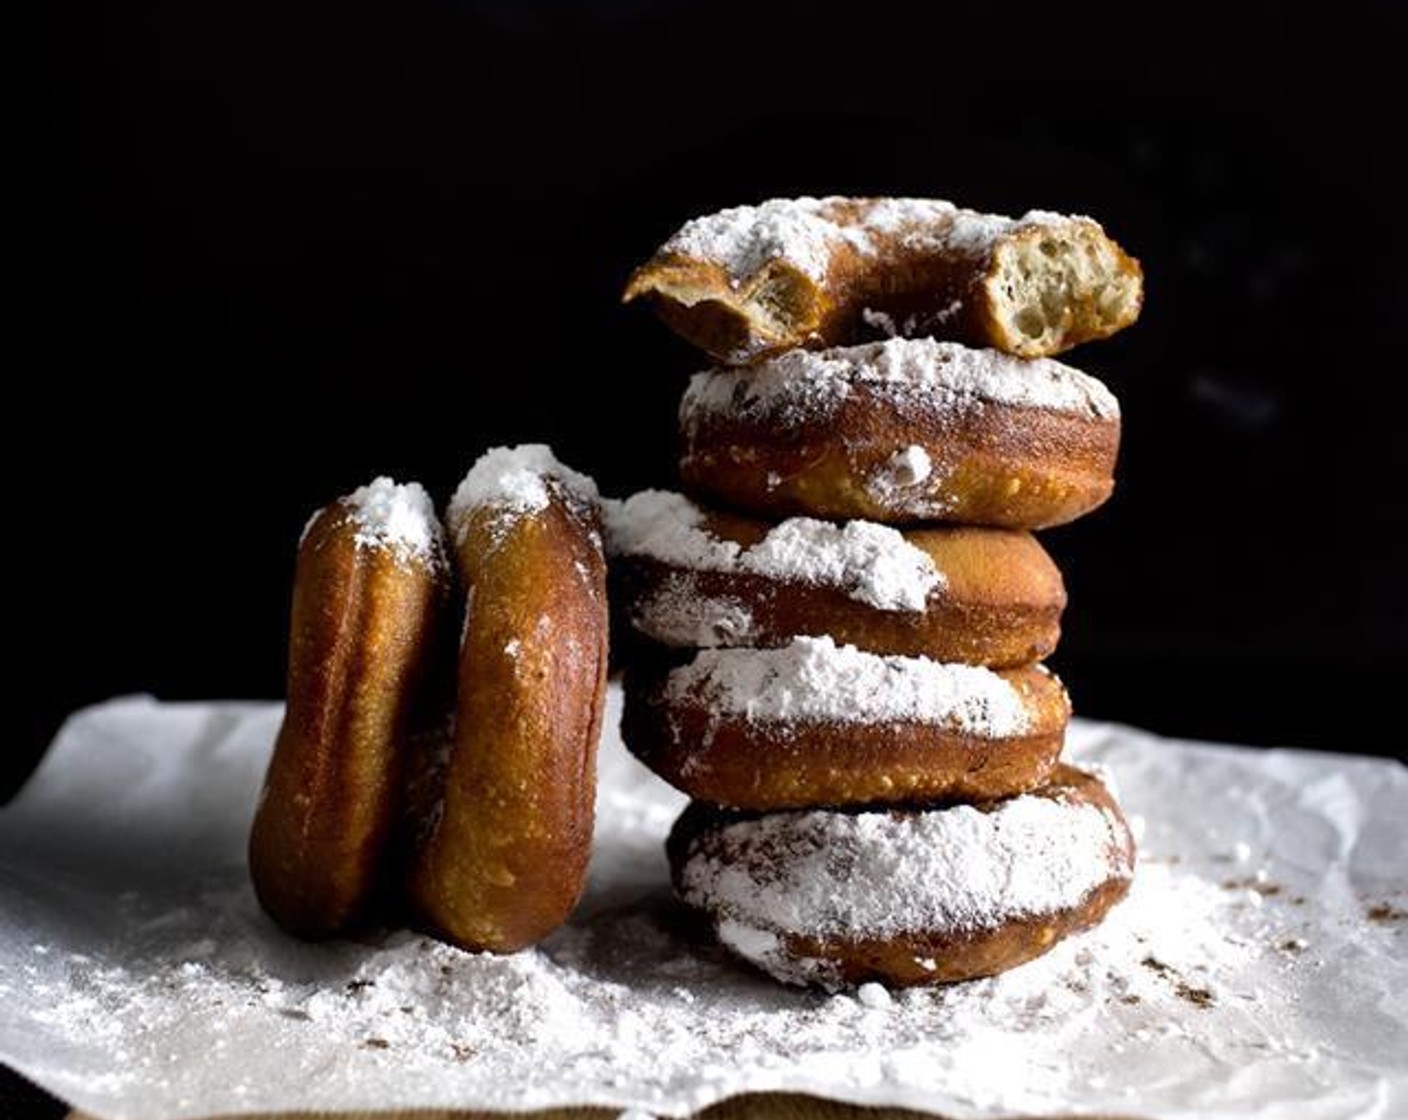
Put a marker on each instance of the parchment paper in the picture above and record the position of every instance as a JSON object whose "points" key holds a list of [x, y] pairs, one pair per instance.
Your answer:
{"points": [[1258, 968]]}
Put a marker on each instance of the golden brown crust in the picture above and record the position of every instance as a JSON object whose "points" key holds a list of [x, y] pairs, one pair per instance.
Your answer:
{"points": [[935, 956], [1033, 287], [1001, 464], [968, 955], [727, 759], [363, 631], [999, 602], [506, 861]]}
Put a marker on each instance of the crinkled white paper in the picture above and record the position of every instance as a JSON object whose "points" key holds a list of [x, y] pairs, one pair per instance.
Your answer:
{"points": [[1258, 968]]}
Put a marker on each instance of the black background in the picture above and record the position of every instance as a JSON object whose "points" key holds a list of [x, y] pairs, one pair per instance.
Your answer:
{"points": [[269, 251]]}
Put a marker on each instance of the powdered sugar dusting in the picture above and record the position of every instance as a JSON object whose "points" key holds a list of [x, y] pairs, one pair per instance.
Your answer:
{"points": [[911, 466], [915, 373], [910, 483], [822, 873], [906, 469], [745, 239], [896, 215], [792, 388], [679, 613], [400, 517], [393, 517], [813, 680], [942, 226], [515, 480], [804, 233], [871, 563]]}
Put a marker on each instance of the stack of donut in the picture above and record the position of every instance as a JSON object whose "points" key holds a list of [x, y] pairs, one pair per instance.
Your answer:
{"points": [[839, 626]]}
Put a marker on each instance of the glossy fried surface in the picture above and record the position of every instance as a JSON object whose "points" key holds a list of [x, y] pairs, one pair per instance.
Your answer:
{"points": [[1001, 465], [506, 859], [998, 603], [730, 759], [363, 630]]}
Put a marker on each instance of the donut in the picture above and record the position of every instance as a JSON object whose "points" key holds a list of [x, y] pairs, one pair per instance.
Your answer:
{"points": [[814, 723], [757, 280], [690, 577], [502, 860], [909, 896], [368, 591], [901, 431]]}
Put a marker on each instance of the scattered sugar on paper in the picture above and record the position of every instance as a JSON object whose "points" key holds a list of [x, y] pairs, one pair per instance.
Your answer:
{"points": [[176, 994], [622, 1011]]}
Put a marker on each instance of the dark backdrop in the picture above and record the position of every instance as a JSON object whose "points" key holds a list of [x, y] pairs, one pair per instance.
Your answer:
{"points": [[267, 252]]}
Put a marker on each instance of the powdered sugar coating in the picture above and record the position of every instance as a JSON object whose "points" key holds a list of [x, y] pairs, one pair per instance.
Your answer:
{"points": [[822, 873], [680, 613], [515, 481], [745, 239], [911, 466], [871, 563], [396, 517], [801, 386], [803, 233], [813, 680], [902, 481], [940, 225]]}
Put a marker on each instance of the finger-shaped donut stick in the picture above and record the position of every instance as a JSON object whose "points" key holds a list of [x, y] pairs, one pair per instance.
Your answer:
{"points": [[504, 859], [368, 593]]}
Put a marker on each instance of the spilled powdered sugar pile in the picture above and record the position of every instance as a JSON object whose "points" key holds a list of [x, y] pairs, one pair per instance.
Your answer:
{"points": [[1251, 972], [815, 680], [871, 563], [807, 385]]}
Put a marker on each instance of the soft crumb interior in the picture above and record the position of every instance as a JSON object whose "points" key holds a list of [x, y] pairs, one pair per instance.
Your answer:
{"points": [[779, 302], [1061, 284], [775, 305]]}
